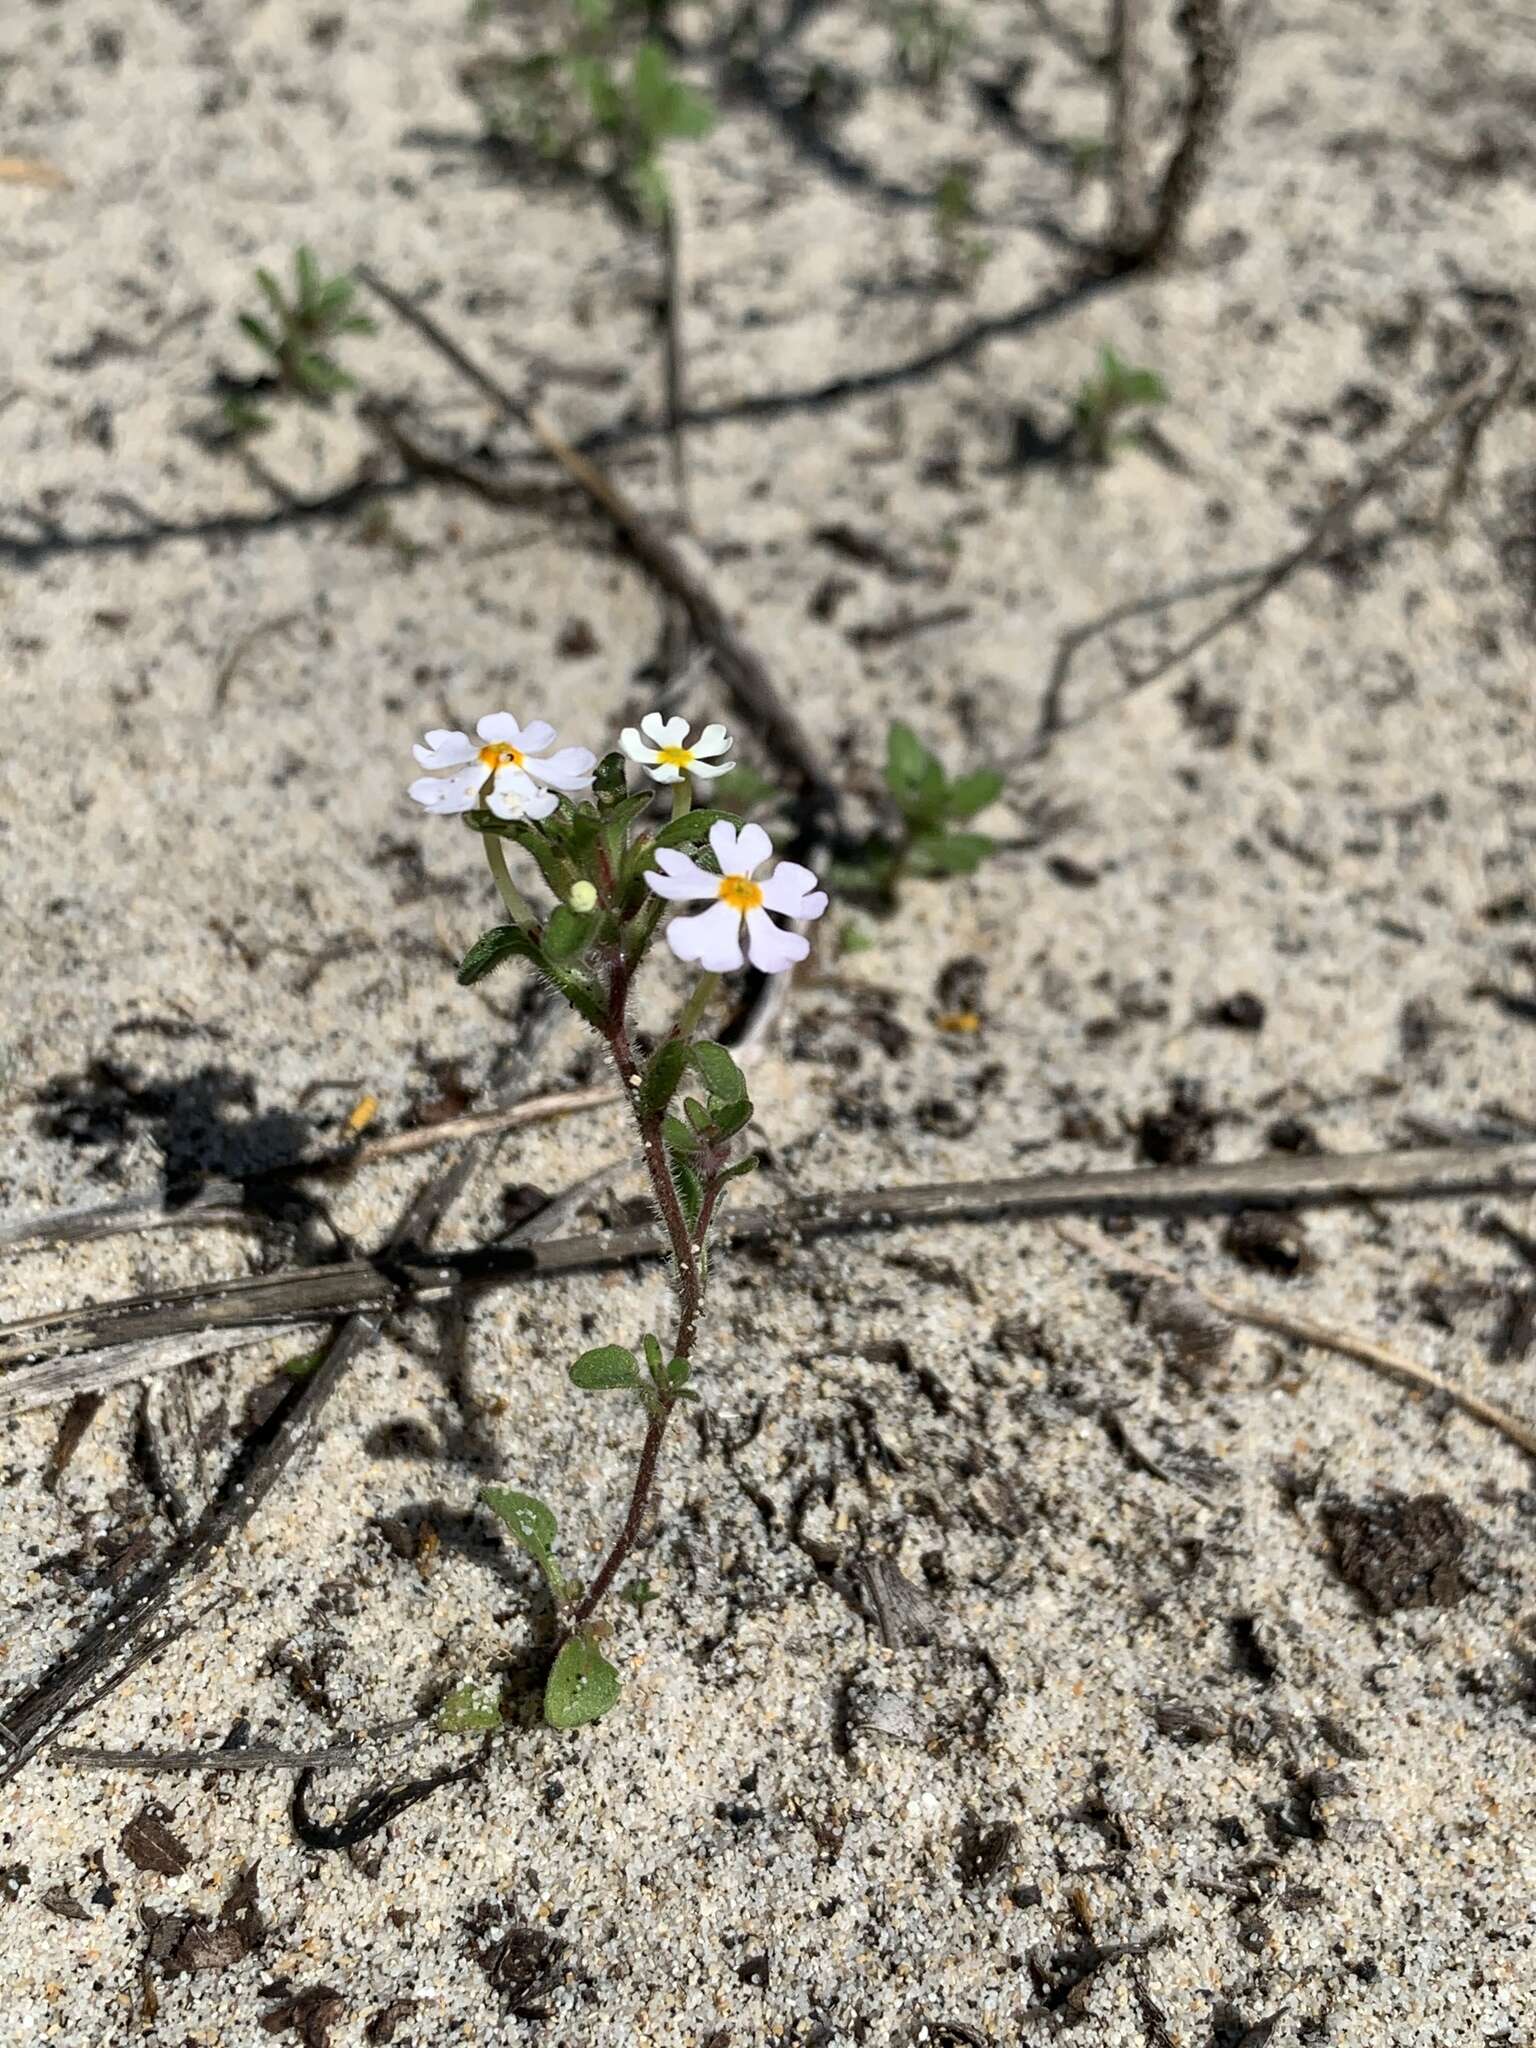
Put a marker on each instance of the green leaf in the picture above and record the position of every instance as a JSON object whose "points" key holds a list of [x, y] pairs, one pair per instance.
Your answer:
{"points": [[678, 1136], [638, 1594], [493, 949], [306, 1363], [678, 1370], [972, 793], [697, 1114], [530, 1524], [258, 331], [272, 292], [690, 828], [662, 1075], [731, 1117], [741, 1169], [949, 853], [470, 1710], [611, 776], [718, 1071], [609, 1366], [690, 1189], [582, 1686], [908, 763], [568, 932], [580, 991], [653, 1355], [619, 812], [306, 273]]}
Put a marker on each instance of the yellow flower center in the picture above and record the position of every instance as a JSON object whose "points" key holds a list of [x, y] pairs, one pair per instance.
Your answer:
{"points": [[674, 757], [741, 892], [497, 757]]}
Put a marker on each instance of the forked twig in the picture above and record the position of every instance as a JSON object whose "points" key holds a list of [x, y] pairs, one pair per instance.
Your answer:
{"points": [[1324, 1336], [741, 667], [1478, 397]]}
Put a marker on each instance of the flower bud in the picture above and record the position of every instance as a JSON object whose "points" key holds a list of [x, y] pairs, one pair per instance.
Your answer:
{"points": [[583, 897]]}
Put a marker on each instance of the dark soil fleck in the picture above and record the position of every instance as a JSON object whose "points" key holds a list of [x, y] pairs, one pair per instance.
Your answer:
{"points": [[1400, 1550]]}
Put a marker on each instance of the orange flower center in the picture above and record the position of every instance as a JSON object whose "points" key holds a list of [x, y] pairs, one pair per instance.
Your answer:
{"points": [[674, 757], [497, 757], [741, 892]]}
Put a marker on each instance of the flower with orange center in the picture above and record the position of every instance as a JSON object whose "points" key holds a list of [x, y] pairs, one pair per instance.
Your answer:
{"points": [[712, 939], [670, 756], [511, 772]]}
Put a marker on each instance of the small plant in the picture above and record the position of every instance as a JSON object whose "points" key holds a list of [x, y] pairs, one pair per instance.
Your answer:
{"points": [[928, 805], [1103, 402], [928, 38], [596, 102], [610, 878], [298, 337], [963, 255]]}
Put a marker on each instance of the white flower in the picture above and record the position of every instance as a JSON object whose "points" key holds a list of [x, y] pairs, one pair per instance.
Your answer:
{"points": [[712, 939], [669, 757], [506, 772]]}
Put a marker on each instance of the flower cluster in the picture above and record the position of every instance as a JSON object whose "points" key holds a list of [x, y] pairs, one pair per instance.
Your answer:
{"points": [[516, 775]]}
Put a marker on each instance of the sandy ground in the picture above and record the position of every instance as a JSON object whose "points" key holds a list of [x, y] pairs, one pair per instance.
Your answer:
{"points": [[1163, 1772]]}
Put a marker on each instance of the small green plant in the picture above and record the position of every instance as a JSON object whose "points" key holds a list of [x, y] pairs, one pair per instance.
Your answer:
{"points": [[598, 101], [1104, 400], [963, 255], [298, 338], [928, 40], [928, 805]]}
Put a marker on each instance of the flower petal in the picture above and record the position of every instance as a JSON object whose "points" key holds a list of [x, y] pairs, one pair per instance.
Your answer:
{"points": [[722, 844], [500, 728], [446, 750], [681, 880], [714, 739], [537, 738], [790, 888], [514, 796], [666, 771], [753, 847], [635, 747], [571, 769], [664, 732], [712, 940], [770, 949], [705, 769], [448, 793]]}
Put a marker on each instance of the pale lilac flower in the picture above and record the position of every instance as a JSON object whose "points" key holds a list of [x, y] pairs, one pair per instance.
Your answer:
{"points": [[510, 772], [712, 939], [669, 757]]}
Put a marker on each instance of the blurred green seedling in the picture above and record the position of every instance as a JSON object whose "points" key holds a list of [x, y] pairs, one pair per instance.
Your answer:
{"points": [[930, 810], [298, 334], [1105, 401]]}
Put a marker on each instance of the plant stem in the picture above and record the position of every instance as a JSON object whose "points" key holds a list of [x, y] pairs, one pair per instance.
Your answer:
{"points": [[682, 796], [519, 909], [688, 1016]]}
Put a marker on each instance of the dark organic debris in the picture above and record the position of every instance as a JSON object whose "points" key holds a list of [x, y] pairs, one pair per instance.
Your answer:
{"points": [[309, 2014], [385, 2024], [1270, 1241], [520, 1962], [1243, 1011], [1187, 1724], [61, 1900], [1061, 1978], [984, 1850], [1193, 1337], [184, 1942], [1230, 2030], [148, 1843], [1400, 1550], [1181, 1134]]}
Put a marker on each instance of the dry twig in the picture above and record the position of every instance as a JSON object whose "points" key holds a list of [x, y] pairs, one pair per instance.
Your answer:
{"points": [[1324, 1336]]}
